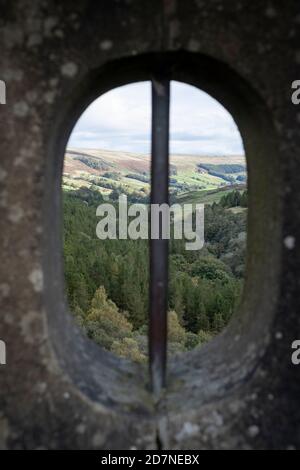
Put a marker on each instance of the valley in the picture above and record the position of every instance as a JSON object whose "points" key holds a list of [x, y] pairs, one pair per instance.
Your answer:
{"points": [[193, 178], [107, 281]]}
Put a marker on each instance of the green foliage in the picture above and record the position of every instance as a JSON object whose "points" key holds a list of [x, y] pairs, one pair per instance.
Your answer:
{"points": [[210, 268], [114, 195], [104, 323], [235, 199], [113, 175], [204, 336], [136, 176], [176, 333], [107, 281], [192, 340], [91, 162], [227, 172], [129, 348], [225, 168]]}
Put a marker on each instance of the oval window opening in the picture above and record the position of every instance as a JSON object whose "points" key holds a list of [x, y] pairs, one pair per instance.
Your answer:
{"points": [[109, 220]]}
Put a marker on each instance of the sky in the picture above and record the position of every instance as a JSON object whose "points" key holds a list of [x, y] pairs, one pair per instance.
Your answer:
{"points": [[121, 120]]}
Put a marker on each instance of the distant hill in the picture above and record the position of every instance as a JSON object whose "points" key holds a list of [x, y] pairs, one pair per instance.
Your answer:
{"points": [[108, 170]]}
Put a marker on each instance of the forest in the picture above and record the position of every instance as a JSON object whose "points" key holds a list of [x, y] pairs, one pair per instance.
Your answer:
{"points": [[107, 281]]}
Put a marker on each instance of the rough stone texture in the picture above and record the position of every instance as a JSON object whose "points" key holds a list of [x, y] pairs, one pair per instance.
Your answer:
{"points": [[58, 390]]}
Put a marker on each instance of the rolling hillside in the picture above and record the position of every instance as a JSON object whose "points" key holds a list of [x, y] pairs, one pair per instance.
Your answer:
{"points": [[107, 170]]}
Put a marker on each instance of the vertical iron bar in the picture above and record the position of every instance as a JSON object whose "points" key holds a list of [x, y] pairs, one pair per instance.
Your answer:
{"points": [[159, 247]]}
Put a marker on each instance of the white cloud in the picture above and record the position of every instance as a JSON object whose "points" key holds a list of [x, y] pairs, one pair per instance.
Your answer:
{"points": [[121, 120]]}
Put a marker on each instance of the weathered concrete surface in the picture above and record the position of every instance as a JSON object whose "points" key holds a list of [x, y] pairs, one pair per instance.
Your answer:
{"points": [[60, 391]]}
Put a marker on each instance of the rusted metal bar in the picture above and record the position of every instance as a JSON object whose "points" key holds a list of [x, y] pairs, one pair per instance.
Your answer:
{"points": [[159, 247]]}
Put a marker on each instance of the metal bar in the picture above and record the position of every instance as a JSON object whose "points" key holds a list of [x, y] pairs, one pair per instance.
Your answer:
{"points": [[159, 247]]}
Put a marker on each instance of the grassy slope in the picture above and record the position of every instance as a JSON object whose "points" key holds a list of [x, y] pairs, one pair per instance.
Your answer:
{"points": [[206, 197]]}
